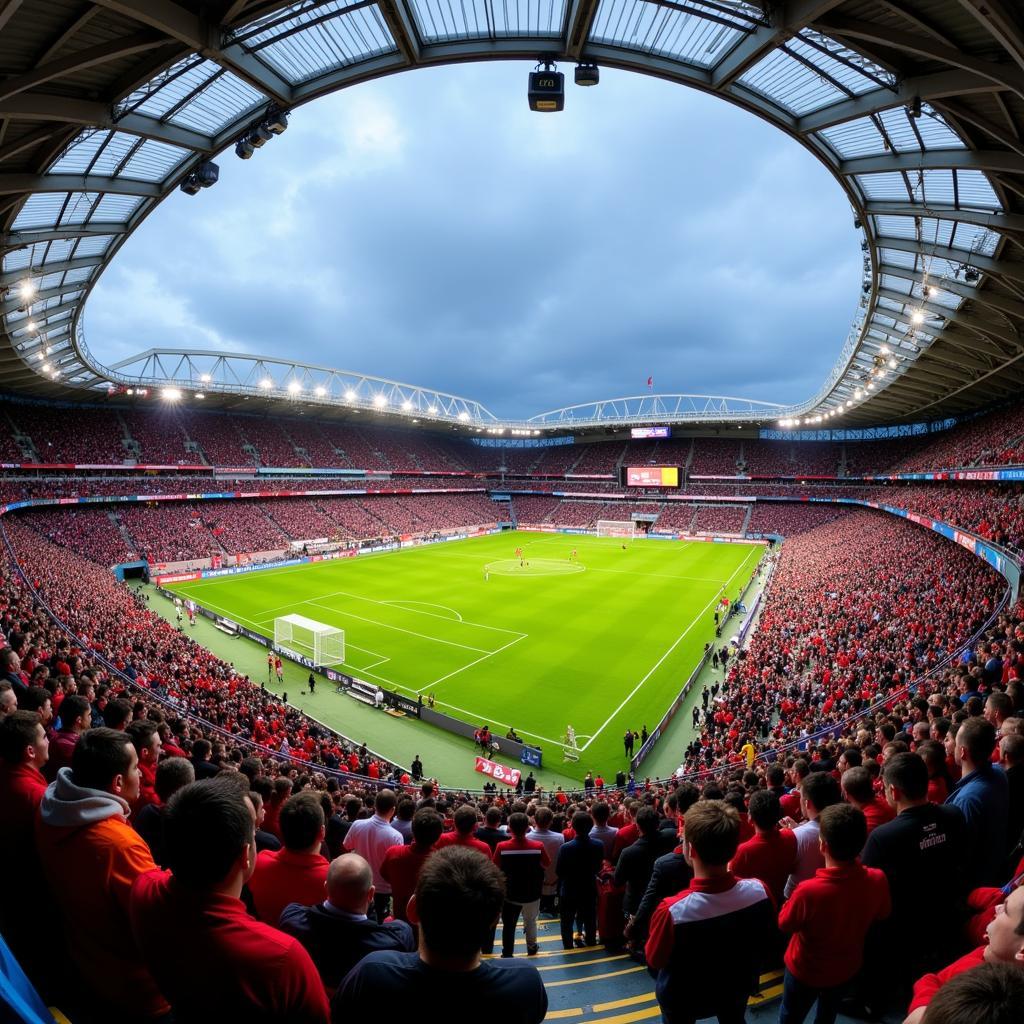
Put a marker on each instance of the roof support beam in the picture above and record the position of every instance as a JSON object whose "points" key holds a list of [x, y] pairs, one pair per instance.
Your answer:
{"points": [[402, 27], [995, 17], [1006, 76], [20, 239], [30, 140], [13, 305], [990, 298], [927, 87], [935, 159], [12, 183], [578, 23], [137, 42], [967, 321], [206, 38], [1001, 268], [1001, 223], [28, 106], [13, 276], [785, 21], [8, 8], [53, 311]]}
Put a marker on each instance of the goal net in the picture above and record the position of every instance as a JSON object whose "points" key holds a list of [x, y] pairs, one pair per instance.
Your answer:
{"points": [[616, 528], [324, 645]]}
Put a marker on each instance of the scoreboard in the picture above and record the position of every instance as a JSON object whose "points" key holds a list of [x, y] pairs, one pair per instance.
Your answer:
{"points": [[646, 433], [650, 476]]}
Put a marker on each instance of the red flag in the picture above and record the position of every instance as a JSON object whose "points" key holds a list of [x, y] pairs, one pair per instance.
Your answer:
{"points": [[650, 382]]}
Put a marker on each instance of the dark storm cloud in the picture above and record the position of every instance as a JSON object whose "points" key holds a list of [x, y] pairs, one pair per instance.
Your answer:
{"points": [[430, 228]]}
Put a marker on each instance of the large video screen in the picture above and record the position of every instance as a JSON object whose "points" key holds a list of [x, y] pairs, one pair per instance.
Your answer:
{"points": [[646, 433], [651, 476]]}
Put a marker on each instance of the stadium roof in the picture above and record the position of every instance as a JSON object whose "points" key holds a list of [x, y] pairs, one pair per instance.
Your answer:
{"points": [[915, 106]]}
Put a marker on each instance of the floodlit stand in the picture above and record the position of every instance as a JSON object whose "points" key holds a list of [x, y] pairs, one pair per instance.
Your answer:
{"points": [[324, 645]]}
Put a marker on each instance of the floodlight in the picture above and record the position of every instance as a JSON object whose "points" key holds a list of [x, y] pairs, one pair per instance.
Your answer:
{"points": [[190, 186], [294, 387], [320, 391], [200, 395], [892, 364], [266, 383], [46, 367], [406, 405], [463, 416], [31, 326], [546, 92], [587, 74], [917, 316], [244, 148], [207, 174], [260, 136], [350, 395], [848, 403], [884, 349], [914, 110], [171, 394], [205, 378], [277, 121], [379, 400], [432, 410], [972, 275], [26, 288]]}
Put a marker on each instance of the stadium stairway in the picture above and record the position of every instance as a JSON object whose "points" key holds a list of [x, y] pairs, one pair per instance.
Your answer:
{"points": [[593, 985]]}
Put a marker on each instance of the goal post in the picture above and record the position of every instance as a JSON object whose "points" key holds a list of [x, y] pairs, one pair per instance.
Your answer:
{"points": [[322, 644], [616, 528]]}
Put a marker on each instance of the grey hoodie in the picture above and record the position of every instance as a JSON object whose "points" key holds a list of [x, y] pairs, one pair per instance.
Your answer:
{"points": [[66, 805]]}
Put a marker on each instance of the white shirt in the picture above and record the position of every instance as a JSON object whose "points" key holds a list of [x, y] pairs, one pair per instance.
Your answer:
{"points": [[808, 855], [371, 838], [552, 843]]}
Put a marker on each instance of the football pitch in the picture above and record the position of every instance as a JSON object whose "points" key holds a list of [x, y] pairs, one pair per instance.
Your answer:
{"points": [[602, 642]]}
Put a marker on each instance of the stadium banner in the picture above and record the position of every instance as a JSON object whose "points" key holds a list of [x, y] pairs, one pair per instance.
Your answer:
{"points": [[498, 772], [400, 703], [177, 577], [530, 756]]}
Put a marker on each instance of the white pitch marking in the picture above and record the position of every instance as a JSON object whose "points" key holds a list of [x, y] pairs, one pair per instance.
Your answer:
{"points": [[675, 644], [428, 604], [471, 664]]}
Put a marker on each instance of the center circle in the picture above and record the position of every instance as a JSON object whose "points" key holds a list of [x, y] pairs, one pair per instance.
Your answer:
{"points": [[533, 567]]}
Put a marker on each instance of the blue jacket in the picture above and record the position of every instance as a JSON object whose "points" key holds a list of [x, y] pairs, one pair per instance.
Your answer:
{"points": [[577, 866], [983, 798]]}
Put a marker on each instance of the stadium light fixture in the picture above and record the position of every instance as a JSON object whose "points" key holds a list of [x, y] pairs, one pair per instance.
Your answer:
{"points": [[170, 394], [205, 378], [406, 405], [432, 410], [277, 121], [266, 383], [546, 91], [350, 395], [379, 400], [884, 349], [294, 387], [244, 148], [260, 136], [46, 367], [320, 391], [463, 416], [31, 327], [200, 396], [205, 175], [26, 289], [849, 404], [587, 74], [892, 364], [917, 317]]}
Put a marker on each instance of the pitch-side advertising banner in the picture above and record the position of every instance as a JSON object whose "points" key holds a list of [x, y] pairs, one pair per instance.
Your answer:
{"points": [[498, 772]]}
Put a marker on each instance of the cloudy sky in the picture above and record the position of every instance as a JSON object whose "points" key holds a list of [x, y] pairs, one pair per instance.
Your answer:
{"points": [[430, 228]]}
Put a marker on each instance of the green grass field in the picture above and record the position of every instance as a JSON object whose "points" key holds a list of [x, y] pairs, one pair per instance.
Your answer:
{"points": [[602, 643]]}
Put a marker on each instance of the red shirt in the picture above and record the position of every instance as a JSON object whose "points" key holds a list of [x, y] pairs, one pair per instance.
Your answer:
{"points": [[938, 790], [878, 812], [282, 877], [770, 857], [926, 987], [21, 789], [454, 839], [829, 916], [626, 836], [790, 804], [237, 968], [401, 867]]}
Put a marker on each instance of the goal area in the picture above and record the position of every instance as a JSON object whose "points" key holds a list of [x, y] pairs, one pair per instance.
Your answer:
{"points": [[324, 645], [616, 528]]}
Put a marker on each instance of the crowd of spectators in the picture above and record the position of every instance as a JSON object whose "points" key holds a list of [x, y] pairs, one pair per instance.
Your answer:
{"points": [[719, 518], [715, 456]]}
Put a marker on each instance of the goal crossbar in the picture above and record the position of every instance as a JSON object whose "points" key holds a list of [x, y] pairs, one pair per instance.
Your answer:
{"points": [[322, 644], [616, 528]]}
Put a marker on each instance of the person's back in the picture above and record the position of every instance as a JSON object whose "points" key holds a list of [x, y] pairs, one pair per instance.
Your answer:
{"points": [[579, 861], [552, 842], [91, 856], [770, 854], [371, 838], [337, 933], [297, 873], [636, 862], [210, 958], [689, 931], [828, 917], [402, 864], [458, 899], [603, 832], [462, 835], [817, 791]]}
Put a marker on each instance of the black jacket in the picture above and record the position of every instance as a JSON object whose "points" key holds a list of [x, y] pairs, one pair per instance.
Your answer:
{"points": [[671, 874]]}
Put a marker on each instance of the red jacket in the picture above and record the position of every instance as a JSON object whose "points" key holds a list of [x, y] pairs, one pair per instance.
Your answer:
{"points": [[282, 877], [454, 839], [235, 968], [401, 867], [21, 788], [829, 916], [770, 857], [926, 987], [878, 812]]}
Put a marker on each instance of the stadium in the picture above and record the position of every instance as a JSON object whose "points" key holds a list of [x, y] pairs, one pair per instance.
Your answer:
{"points": [[314, 681]]}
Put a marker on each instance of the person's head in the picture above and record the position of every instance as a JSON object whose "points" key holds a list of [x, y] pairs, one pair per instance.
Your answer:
{"points": [[117, 714], [647, 822], [775, 776], [843, 832], [39, 699], [998, 707], [818, 791], [857, 786], [600, 812], [582, 823], [385, 803], [518, 823], [975, 741], [458, 898], [1006, 932], [146, 740], [905, 780], [172, 774], [209, 835], [9, 661], [493, 817], [8, 699], [23, 740], [1011, 750], [465, 819], [105, 759], [427, 826], [849, 758], [75, 714], [764, 810], [711, 834], [993, 993], [350, 883], [302, 823], [543, 818]]}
